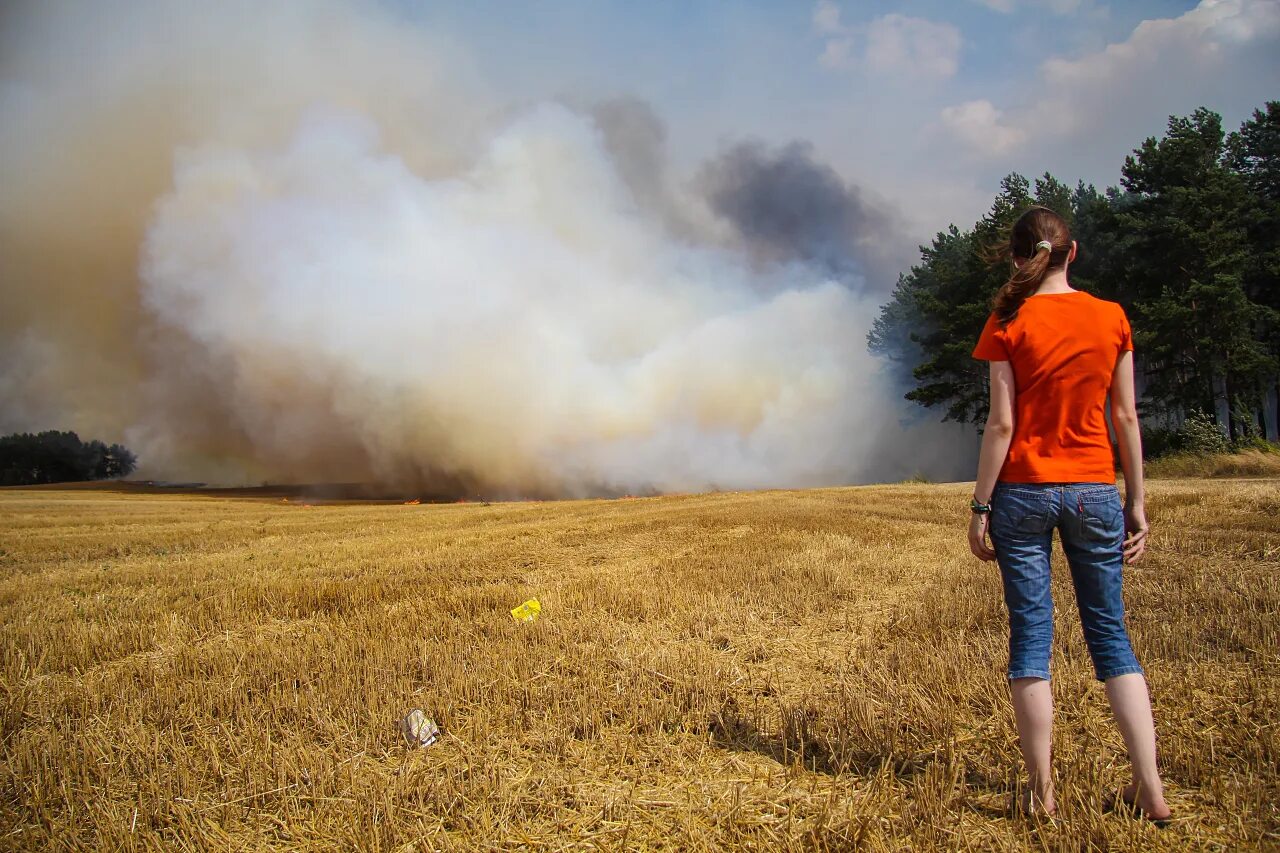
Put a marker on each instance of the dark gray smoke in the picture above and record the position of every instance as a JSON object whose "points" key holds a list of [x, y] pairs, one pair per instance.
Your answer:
{"points": [[789, 206], [780, 205], [636, 140]]}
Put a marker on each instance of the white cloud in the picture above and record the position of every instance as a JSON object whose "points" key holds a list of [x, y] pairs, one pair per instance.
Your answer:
{"points": [[838, 53], [891, 44], [1199, 37], [1221, 54], [978, 124], [826, 17], [1058, 7], [913, 45]]}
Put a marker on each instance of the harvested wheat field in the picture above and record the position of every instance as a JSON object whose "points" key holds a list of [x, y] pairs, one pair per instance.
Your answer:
{"points": [[773, 670]]}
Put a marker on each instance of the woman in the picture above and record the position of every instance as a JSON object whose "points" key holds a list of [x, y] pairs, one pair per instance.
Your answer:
{"points": [[1046, 463]]}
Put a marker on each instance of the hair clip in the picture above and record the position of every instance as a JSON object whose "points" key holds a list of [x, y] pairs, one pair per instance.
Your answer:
{"points": [[1044, 244]]}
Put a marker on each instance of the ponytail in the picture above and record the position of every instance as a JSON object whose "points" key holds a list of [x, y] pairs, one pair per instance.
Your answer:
{"points": [[1039, 241], [1024, 281]]}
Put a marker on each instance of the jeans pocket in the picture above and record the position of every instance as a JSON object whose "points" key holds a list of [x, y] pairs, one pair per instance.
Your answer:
{"points": [[1103, 521], [1019, 513]]}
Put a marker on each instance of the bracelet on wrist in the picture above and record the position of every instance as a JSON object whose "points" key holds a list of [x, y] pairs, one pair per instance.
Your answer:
{"points": [[979, 508]]}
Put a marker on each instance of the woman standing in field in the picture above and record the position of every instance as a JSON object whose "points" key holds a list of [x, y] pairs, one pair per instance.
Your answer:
{"points": [[1046, 463]]}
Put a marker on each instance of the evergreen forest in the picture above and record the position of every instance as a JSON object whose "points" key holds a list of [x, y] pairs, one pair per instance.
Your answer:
{"points": [[1188, 244]]}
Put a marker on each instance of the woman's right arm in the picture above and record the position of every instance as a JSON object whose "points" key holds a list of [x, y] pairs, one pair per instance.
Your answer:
{"points": [[996, 439], [1124, 417]]}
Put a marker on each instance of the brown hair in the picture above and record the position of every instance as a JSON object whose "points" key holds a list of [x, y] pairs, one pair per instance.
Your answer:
{"points": [[1037, 225]]}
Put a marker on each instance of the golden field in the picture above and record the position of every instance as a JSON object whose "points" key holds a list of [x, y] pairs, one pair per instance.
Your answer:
{"points": [[1244, 463], [771, 670]]}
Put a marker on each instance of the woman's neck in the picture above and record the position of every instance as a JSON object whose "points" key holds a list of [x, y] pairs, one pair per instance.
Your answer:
{"points": [[1055, 282]]}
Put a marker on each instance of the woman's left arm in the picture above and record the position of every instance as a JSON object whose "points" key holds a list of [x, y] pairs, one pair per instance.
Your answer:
{"points": [[995, 447]]}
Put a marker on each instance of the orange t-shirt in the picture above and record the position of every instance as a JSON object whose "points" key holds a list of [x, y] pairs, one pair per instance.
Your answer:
{"points": [[1063, 348]]}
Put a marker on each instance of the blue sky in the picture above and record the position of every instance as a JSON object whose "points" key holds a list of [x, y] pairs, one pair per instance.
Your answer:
{"points": [[925, 104]]}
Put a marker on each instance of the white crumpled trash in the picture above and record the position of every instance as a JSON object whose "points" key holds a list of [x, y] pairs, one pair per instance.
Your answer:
{"points": [[418, 729]]}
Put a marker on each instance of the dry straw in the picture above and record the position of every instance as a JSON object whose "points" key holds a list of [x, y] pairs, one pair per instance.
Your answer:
{"points": [[777, 670]]}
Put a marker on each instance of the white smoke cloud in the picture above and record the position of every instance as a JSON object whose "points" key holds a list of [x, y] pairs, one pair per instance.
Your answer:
{"points": [[307, 251], [519, 325]]}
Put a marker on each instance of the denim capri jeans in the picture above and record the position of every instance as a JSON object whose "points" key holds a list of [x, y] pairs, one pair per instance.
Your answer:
{"points": [[1090, 519]]}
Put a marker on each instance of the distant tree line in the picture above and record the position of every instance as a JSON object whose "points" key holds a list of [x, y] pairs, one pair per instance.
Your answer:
{"points": [[60, 457], [1189, 244]]}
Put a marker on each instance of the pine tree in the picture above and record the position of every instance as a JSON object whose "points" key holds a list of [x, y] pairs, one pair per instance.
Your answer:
{"points": [[936, 313], [1253, 152], [1187, 243]]}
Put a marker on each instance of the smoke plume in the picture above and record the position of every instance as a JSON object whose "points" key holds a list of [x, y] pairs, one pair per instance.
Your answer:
{"points": [[311, 249], [786, 205]]}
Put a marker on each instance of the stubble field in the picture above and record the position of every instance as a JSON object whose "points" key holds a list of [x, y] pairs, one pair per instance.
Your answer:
{"points": [[772, 670]]}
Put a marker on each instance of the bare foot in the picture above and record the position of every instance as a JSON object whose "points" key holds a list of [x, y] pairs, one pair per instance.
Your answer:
{"points": [[1151, 804], [1036, 805]]}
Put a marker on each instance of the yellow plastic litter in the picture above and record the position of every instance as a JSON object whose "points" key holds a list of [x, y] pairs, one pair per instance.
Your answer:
{"points": [[527, 612]]}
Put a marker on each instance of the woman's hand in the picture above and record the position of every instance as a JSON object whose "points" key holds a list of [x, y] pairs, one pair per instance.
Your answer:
{"points": [[978, 537], [1135, 524]]}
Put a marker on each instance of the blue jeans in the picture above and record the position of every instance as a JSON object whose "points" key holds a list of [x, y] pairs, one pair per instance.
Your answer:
{"points": [[1090, 520]]}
